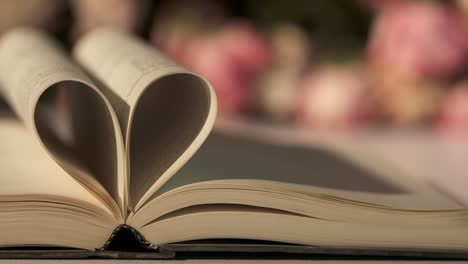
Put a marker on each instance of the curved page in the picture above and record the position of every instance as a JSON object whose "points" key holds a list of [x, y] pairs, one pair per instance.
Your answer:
{"points": [[165, 111], [40, 205], [70, 116]]}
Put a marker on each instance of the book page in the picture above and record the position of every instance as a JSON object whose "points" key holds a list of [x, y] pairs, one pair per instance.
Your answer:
{"points": [[42, 204], [213, 224], [316, 179], [383, 155], [330, 166], [164, 110], [64, 109], [20, 181]]}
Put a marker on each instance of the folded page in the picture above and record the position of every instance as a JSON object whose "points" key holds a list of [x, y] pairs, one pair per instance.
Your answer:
{"points": [[70, 116], [165, 111]]}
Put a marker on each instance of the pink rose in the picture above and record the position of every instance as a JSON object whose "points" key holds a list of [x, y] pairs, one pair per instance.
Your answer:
{"points": [[230, 56], [231, 59], [334, 97], [246, 46], [418, 39], [206, 57]]}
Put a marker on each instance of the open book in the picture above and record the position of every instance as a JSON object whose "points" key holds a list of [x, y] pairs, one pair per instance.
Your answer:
{"points": [[101, 140]]}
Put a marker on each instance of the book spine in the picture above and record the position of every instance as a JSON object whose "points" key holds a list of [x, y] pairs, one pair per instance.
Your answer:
{"points": [[145, 244]]}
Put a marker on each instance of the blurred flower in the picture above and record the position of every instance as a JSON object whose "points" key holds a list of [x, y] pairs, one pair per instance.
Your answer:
{"points": [[418, 39], [453, 119], [277, 89], [231, 57], [336, 97], [244, 44], [409, 103], [38, 13], [91, 14], [277, 93], [206, 57]]}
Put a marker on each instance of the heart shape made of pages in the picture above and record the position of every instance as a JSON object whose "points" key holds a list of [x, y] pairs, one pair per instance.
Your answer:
{"points": [[165, 111], [169, 122]]}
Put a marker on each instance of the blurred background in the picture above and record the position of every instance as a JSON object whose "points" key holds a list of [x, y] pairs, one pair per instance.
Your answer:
{"points": [[346, 65], [387, 77]]}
